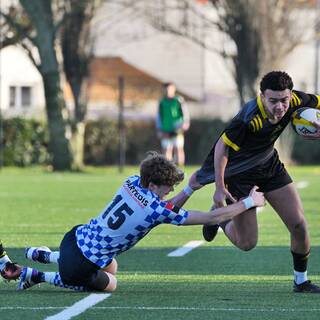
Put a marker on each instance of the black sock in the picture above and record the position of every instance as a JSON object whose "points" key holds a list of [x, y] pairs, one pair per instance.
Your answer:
{"points": [[37, 276], [300, 261]]}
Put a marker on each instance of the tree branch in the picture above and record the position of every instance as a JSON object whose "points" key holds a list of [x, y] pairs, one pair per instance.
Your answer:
{"points": [[30, 55], [19, 29]]}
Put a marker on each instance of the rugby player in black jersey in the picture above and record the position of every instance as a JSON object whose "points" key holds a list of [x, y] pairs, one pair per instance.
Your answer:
{"points": [[245, 156]]}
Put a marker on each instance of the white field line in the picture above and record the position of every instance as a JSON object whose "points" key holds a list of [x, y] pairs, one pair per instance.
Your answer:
{"points": [[302, 184], [185, 249], [232, 248], [171, 308], [214, 309], [79, 306]]}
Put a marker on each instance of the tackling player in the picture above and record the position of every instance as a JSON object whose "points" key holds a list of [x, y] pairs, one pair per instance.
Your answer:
{"points": [[87, 252], [245, 156]]}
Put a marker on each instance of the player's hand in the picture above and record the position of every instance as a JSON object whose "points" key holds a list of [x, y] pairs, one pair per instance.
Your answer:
{"points": [[220, 196], [193, 183], [258, 197], [11, 271], [315, 135]]}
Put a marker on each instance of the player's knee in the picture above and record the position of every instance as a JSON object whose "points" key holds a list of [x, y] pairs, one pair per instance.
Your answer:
{"points": [[300, 230], [247, 245], [112, 267], [112, 285]]}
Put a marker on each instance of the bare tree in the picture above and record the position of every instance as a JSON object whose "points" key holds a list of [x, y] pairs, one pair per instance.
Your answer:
{"points": [[47, 25], [255, 35], [282, 25], [238, 21], [264, 33], [34, 28], [77, 46]]}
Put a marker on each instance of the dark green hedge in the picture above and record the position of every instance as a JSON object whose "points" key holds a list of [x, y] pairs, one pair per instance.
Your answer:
{"points": [[306, 151], [200, 139], [25, 142], [102, 141]]}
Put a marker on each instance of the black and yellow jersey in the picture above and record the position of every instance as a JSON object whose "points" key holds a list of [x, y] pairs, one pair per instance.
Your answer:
{"points": [[251, 137]]}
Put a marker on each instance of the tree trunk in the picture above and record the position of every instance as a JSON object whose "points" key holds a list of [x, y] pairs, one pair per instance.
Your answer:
{"points": [[58, 142], [241, 27], [79, 88], [77, 144], [76, 45], [40, 13]]}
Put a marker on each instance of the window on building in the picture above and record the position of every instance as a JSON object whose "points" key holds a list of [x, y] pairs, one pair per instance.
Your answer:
{"points": [[26, 96], [20, 96], [13, 96]]}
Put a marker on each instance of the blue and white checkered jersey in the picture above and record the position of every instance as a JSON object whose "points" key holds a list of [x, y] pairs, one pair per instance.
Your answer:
{"points": [[131, 214]]}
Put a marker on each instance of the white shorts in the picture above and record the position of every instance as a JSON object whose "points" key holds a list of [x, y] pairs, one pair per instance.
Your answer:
{"points": [[175, 141]]}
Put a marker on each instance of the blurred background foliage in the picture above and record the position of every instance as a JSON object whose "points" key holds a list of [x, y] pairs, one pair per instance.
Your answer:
{"points": [[25, 142]]}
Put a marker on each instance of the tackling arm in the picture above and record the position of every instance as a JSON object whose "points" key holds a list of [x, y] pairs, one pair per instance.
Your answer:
{"points": [[255, 199], [181, 198]]}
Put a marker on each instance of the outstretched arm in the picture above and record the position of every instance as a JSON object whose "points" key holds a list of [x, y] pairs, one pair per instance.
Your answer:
{"points": [[181, 198], [255, 199]]}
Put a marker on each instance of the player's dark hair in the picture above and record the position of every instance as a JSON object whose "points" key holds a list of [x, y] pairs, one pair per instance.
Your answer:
{"points": [[159, 170], [276, 81]]}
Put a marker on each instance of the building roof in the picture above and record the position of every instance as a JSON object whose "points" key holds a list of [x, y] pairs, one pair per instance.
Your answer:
{"points": [[105, 74]]}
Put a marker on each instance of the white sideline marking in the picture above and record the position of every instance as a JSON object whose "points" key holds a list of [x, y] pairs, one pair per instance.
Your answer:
{"points": [[232, 248], [173, 308], [185, 249], [79, 306], [213, 309], [302, 184]]}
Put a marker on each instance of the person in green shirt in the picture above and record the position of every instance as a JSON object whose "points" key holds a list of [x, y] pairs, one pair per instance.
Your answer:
{"points": [[172, 121]]}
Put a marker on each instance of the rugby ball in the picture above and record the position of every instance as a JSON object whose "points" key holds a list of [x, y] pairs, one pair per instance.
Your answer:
{"points": [[302, 120]]}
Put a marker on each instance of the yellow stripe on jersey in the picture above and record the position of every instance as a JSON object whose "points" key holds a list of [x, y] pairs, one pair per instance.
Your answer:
{"points": [[318, 105], [260, 121], [229, 143], [293, 100], [261, 107], [253, 125], [256, 122], [299, 100], [296, 99]]}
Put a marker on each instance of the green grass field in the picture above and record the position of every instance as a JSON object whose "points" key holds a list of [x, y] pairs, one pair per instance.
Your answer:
{"points": [[214, 281]]}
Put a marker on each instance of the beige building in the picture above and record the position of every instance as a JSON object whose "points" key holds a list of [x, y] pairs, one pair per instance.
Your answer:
{"points": [[145, 58]]}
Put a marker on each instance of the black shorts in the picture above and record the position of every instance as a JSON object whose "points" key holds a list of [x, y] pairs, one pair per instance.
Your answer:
{"points": [[268, 176], [74, 268]]}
